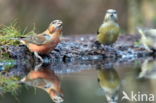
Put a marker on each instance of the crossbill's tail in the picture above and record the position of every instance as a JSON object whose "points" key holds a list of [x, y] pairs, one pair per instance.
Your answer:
{"points": [[19, 39]]}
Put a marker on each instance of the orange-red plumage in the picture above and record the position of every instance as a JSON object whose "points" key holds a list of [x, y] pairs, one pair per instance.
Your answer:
{"points": [[45, 42], [47, 80]]}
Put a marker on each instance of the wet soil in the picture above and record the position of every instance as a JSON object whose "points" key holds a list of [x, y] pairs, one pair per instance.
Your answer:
{"points": [[84, 47], [78, 50]]}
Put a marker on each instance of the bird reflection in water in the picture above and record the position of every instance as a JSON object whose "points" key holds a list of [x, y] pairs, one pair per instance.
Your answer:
{"points": [[148, 69], [43, 77], [109, 81]]}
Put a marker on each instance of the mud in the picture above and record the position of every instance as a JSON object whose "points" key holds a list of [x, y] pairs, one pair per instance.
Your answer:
{"points": [[78, 52]]}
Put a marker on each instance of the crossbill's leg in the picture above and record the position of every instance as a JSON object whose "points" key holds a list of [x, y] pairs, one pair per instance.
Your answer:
{"points": [[38, 66], [37, 55]]}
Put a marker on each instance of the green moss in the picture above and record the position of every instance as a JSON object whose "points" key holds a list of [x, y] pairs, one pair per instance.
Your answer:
{"points": [[4, 55], [9, 84], [10, 33], [9, 66], [7, 60]]}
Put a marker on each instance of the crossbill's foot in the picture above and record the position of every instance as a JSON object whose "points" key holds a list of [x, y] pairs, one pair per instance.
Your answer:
{"points": [[38, 66]]}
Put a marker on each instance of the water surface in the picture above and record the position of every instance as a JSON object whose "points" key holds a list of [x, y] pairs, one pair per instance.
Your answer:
{"points": [[87, 83]]}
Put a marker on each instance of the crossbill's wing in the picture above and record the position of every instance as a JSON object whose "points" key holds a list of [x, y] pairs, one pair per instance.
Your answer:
{"points": [[38, 39]]}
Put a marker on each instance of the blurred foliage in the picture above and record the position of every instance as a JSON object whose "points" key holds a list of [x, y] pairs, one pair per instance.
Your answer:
{"points": [[8, 84], [79, 16], [141, 13], [4, 55], [10, 33]]}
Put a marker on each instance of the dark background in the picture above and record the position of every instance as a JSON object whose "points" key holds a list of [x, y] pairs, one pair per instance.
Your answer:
{"points": [[79, 16]]}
